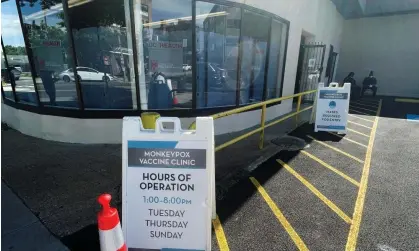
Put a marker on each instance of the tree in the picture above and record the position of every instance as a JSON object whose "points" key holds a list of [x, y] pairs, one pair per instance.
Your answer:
{"points": [[14, 50], [45, 4]]}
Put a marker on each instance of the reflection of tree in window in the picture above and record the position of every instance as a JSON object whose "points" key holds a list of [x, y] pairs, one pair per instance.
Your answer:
{"points": [[46, 33]]}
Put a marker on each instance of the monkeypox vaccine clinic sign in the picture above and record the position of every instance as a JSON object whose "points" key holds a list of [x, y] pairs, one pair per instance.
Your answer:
{"points": [[167, 184], [332, 107]]}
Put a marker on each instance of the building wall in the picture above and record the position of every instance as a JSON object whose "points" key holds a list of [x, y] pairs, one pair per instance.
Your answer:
{"points": [[319, 18], [387, 45]]}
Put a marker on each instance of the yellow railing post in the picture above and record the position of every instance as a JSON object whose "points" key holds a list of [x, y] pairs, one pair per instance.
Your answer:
{"points": [[298, 109], [262, 124]]}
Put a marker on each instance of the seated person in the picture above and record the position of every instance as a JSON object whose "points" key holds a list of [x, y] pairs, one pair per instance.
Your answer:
{"points": [[370, 83], [355, 90]]}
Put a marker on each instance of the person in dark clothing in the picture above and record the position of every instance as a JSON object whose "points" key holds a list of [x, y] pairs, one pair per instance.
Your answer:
{"points": [[370, 83], [355, 90], [350, 78]]}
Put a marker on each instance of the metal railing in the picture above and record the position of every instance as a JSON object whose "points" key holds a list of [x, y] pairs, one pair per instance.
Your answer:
{"points": [[262, 127]]}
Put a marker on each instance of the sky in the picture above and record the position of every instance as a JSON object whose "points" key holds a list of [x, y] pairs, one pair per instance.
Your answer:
{"points": [[162, 9], [10, 25]]}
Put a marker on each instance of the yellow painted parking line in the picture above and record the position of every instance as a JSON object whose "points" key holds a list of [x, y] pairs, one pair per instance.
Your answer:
{"points": [[219, 233], [280, 216], [323, 198], [341, 174], [360, 200], [365, 109], [369, 120], [348, 139], [358, 124], [336, 149], [360, 133], [407, 100], [369, 105], [359, 112]]}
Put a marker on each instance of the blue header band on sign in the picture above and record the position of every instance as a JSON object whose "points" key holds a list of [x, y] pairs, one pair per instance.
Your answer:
{"points": [[328, 91], [152, 144], [331, 127]]}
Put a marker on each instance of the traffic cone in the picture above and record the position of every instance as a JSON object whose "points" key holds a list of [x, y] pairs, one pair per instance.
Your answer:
{"points": [[175, 100], [110, 232]]}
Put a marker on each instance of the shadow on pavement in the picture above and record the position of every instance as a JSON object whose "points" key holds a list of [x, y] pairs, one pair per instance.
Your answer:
{"points": [[86, 238], [390, 108], [237, 195], [230, 200]]}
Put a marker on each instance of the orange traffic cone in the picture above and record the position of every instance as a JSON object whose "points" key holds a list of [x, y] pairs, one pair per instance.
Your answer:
{"points": [[175, 100], [110, 232]]}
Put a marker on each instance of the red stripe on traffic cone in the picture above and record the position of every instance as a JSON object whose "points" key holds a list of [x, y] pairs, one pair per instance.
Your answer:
{"points": [[110, 232]]}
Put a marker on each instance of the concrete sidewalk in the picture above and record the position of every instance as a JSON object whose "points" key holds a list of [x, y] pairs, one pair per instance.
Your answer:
{"points": [[60, 182], [21, 230]]}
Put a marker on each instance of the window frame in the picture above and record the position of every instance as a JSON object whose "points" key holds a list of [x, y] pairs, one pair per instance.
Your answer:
{"points": [[271, 17], [81, 112]]}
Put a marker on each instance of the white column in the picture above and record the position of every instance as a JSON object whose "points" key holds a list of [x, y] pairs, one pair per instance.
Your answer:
{"points": [[130, 53], [140, 55]]}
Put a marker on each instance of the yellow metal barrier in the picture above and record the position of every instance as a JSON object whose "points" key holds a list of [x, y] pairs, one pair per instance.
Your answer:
{"points": [[262, 127]]}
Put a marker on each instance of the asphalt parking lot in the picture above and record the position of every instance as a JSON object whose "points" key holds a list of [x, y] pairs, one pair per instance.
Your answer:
{"points": [[341, 192]]}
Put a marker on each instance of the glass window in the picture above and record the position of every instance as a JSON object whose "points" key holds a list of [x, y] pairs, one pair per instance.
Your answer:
{"points": [[254, 45], [276, 59], [167, 54], [105, 68], [6, 82], [17, 58], [45, 25], [217, 35]]}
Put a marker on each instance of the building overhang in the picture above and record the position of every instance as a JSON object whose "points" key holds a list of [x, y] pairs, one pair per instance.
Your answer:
{"points": [[350, 9]]}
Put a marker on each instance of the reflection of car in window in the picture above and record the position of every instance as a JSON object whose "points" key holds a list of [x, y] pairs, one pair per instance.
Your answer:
{"points": [[18, 68], [14, 72], [186, 67], [84, 73]]}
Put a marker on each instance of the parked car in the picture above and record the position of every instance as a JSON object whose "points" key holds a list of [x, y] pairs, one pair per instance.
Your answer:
{"points": [[18, 68], [85, 73], [186, 67], [15, 73]]}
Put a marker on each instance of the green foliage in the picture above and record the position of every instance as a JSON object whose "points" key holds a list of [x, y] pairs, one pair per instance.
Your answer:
{"points": [[14, 50], [38, 33]]}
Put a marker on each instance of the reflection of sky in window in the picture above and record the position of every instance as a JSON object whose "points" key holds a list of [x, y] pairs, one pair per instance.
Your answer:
{"points": [[36, 13], [203, 8], [10, 25], [164, 9]]}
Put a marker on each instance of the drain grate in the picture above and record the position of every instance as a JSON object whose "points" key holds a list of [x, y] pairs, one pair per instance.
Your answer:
{"points": [[289, 143]]}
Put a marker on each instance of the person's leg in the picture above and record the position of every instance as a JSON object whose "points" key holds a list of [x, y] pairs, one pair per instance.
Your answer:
{"points": [[362, 91], [374, 91]]}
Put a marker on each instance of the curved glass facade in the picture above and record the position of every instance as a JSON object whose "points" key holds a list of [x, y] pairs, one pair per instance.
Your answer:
{"points": [[109, 58]]}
